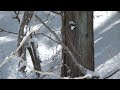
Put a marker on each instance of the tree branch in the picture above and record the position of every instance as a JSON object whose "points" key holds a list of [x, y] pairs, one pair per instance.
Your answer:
{"points": [[56, 12], [80, 67], [2, 30], [15, 52], [17, 17], [111, 73], [53, 32], [49, 37]]}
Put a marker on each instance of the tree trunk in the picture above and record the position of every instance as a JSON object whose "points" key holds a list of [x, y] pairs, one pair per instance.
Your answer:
{"points": [[34, 57], [32, 50], [79, 40], [22, 51]]}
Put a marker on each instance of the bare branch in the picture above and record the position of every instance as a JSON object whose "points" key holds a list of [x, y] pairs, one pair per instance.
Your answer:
{"points": [[53, 32], [80, 67], [57, 12], [15, 52], [40, 72], [2, 30], [111, 73], [17, 17], [49, 37]]}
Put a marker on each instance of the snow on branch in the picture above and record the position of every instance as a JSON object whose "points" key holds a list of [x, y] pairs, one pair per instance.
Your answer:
{"points": [[22, 42], [81, 68], [44, 73], [15, 52], [114, 71], [88, 73]]}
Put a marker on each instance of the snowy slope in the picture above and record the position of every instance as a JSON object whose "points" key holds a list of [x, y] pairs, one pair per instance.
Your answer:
{"points": [[8, 43], [106, 43]]}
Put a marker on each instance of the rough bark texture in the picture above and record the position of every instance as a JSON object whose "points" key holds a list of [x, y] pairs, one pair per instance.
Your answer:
{"points": [[79, 41]]}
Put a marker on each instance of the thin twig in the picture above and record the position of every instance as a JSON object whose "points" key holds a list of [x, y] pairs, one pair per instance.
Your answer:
{"points": [[49, 37], [58, 13], [46, 73], [2, 30], [53, 32], [81, 68], [15, 52], [47, 22], [17, 17], [111, 73]]}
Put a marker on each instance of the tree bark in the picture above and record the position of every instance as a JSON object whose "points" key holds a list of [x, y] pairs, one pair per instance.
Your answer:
{"points": [[32, 50], [34, 57], [79, 41], [22, 51]]}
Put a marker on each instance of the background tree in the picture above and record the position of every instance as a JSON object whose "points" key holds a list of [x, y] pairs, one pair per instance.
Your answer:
{"points": [[77, 35], [31, 48]]}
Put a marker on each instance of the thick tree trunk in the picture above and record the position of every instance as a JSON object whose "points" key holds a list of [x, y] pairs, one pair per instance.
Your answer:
{"points": [[79, 40]]}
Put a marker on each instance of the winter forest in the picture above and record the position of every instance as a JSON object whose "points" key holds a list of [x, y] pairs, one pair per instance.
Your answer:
{"points": [[59, 45]]}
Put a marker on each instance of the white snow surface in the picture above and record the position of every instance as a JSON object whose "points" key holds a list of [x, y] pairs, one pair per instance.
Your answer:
{"points": [[106, 45], [46, 47], [106, 42]]}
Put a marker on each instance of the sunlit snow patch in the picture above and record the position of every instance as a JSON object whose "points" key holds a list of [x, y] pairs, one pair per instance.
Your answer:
{"points": [[6, 39], [101, 16]]}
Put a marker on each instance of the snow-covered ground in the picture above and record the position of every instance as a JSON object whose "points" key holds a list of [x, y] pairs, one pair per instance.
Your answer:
{"points": [[106, 43], [47, 48]]}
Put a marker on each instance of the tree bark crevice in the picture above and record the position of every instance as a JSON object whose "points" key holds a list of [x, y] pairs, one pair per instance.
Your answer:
{"points": [[79, 41]]}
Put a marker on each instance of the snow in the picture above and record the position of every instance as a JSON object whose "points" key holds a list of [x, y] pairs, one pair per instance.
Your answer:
{"points": [[106, 44], [8, 44], [71, 22], [22, 63], [25, 29], [72, 25], [100, 17], [6, 39]]}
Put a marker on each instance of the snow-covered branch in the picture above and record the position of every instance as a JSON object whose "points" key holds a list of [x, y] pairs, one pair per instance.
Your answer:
{"points": [[81, 68], [88, 73], [15, 52], [40, 72]]}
